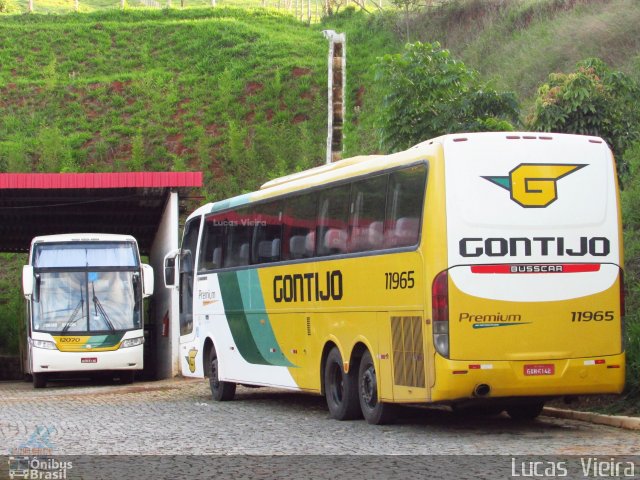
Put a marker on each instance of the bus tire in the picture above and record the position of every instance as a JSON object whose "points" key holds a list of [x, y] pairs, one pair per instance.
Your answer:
{"points": [[525, 411], [341, 389], [126, 377], [220, 391], [374, 412], [39, 380]]}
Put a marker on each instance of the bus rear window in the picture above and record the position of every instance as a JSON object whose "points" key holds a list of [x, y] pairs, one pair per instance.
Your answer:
{"points": [[82, 255]]}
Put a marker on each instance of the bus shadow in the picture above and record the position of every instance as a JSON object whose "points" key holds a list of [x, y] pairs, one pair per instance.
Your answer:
{"points": [[407, 415]]}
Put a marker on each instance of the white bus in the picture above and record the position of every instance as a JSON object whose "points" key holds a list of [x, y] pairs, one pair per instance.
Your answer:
{"points": [[84, 305]]}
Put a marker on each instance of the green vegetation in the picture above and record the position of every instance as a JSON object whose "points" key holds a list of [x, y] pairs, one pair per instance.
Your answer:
{"points": [[593, 100], [428, 94], [241, 94]]}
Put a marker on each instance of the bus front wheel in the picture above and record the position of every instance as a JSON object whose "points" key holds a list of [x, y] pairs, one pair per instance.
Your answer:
{"points": [[39, 380], [220, 391], [374, 411], [341, 389], [126, 377]]}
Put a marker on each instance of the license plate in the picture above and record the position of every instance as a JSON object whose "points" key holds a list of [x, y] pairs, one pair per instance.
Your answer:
{"points": [[540, 369], [89, 360]]}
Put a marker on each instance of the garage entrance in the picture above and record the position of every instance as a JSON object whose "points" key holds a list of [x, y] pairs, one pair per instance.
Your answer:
{"points": [[146, 205]]}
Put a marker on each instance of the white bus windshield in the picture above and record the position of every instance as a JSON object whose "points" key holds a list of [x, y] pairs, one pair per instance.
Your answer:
{"points": [[86, 301], [90, 254]]}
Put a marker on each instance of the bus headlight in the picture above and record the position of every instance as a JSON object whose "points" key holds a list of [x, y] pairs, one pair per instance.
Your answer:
{"points": [[44, 344], [132, 342]]}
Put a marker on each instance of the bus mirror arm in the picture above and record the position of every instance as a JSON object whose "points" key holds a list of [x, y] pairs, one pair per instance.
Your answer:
{"points": [[170, 268]]}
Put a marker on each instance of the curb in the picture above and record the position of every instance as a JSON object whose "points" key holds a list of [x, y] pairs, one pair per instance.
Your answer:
{"points": [[629, 423]]}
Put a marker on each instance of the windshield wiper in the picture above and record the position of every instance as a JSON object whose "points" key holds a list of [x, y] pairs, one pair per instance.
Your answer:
{"points": [[72, 320], [99, 308]]}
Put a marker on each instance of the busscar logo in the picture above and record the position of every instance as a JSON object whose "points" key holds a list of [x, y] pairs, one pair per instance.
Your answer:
{"points": [[534, 185]]}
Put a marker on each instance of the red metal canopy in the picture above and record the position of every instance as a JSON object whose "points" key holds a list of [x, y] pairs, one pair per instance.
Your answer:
{"points": [[100, 180], [33, 204]]}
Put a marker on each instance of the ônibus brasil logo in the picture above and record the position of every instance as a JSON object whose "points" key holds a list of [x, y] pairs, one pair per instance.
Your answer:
{"points": [[533, 185]]}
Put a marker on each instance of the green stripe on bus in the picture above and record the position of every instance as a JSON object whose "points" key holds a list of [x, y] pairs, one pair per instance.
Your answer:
{"points": [[104, 341], [259, 323], [231, 202], [238, 324]]}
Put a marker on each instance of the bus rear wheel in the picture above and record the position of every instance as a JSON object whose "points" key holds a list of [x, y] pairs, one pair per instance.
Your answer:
{"points": [[220, 391], [341, 389], [525, 411], [374, 411], [39, 380]]}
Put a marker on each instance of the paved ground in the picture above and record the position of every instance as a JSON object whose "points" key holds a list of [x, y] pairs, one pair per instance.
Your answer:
{"points": [[178, 417]]}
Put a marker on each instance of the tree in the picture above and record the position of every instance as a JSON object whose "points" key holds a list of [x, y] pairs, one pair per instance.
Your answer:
{"points": [[593, 100], [427, 93]]}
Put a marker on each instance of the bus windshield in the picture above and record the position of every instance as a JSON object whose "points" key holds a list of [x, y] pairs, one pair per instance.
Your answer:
{"points": [[86, 301], [89, 254]]}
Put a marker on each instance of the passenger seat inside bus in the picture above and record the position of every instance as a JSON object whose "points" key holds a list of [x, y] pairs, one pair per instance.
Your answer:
{"points": [[297, 247], [243, 256], [335, 241], [217, 257], [376, 238], [404, 234], [269, 251]]}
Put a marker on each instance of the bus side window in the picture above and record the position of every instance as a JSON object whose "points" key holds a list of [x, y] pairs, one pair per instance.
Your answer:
{"points": [[268, 232], [299, 224], [333, 216], [239, 230], [367, 214], [405, 199], [211, 245]]}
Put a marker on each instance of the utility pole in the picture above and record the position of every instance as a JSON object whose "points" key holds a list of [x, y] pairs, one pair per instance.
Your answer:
{"points": [[337, 81]]}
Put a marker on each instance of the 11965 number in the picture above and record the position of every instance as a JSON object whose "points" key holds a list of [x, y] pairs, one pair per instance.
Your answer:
{"points": [[595, 316], [399, 280]]}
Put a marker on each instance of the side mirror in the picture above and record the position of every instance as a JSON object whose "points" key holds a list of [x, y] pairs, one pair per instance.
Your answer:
{"points": [[28, 281], [170, 268], [147, 280]]}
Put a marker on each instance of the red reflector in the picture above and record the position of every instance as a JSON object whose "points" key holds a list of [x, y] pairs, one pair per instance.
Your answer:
{"points": [[529, 137], [595, 141], [474, 367], [513, 137], [459, 372], [460, 139], [613, 366], [600, 361]]}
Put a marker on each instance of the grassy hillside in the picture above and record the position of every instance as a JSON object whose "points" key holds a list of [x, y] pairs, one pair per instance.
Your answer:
{"points": [[238, 94]]}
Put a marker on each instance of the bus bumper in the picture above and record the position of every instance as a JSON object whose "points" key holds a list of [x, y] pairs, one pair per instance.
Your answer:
{"points": [[44, 360], [578, 376]]}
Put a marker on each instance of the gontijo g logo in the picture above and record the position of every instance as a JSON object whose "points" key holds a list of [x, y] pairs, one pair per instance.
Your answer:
{"points": [[533, 185]]}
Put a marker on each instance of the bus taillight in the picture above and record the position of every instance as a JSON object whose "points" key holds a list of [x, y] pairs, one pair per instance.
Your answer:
{"points": [[440, 306]]}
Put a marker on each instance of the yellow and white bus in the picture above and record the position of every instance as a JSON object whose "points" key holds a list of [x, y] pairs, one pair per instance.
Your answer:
{"points": [[84, 306], [482, 267]]}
